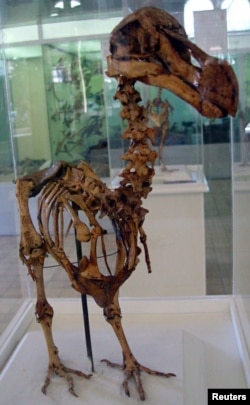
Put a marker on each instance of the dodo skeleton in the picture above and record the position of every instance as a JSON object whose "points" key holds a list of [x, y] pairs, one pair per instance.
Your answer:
{"points": [[149, 46]]}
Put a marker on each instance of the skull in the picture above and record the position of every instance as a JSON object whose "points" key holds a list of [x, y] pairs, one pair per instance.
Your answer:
{"points": [[151, 46]]}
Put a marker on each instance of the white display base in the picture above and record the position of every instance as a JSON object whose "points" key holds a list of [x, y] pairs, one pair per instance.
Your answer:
{"points": [[175, 231], [194, 338]]}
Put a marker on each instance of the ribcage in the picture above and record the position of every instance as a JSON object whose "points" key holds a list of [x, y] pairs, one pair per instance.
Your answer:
{"points": [[101, 219]]}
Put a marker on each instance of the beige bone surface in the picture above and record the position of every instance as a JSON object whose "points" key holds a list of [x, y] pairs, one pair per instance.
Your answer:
{"points": [[165, 61], [150, 46]]}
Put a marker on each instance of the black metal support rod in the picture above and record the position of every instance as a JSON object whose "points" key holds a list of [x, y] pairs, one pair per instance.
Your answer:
{"points": [[85, 308], [85, 312]]}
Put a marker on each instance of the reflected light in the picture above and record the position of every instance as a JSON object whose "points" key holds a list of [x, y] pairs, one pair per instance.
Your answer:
{"points": [[59, 4], [238, 13], [73, 3]]}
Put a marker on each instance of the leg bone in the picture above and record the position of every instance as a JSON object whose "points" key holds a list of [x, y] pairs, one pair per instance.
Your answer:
{"points": [[130, 366], [44, 314]]}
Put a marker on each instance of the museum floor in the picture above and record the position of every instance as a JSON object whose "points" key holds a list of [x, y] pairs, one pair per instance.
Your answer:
{"points": [[218, 258]]}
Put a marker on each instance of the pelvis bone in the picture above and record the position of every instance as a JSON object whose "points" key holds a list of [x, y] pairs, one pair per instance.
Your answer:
{"points": [[151, 46]]}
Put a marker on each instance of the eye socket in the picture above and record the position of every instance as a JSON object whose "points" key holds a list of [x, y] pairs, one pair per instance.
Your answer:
{"points": [[123, 198], [111, 203], [112, 48]]}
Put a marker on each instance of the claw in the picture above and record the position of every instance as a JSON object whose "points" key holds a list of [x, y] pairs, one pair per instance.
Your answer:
{"points": [[111, 364], [77, 372], [71, 386], [138, 382], [154, 372], [136, 373], [125, 384], [63, 371], [47, 380]]}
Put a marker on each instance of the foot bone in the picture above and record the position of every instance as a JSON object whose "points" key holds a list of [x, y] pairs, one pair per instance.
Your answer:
{"points": [[63, 372], [135, 372]]}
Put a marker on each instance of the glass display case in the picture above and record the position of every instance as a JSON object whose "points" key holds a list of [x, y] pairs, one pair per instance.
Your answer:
{"points": [[241, 198], [57, 103]]}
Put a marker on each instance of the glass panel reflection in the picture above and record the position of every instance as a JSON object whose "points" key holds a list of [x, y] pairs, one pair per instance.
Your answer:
{"points": [[241, 197], [13, 289], [59, 104], [75, 102], [28, 107], [6, 157], [19, 12]]}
